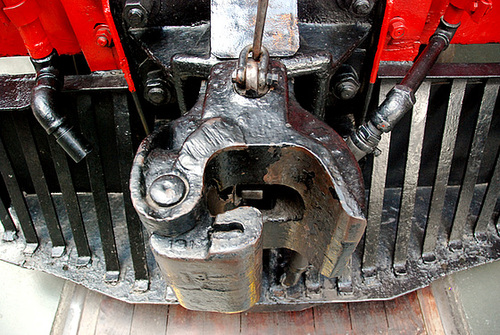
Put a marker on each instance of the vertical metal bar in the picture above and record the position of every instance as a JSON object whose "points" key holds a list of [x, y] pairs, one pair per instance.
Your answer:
{"points": [[41, 188], [10, 230], [97, 184], [443, 169], [322, 82], [474, 163], [71, 202], [490, 200], [18, 201], [344, 282], [126, 156], [411, 178], [260, 21], [376, 200]]}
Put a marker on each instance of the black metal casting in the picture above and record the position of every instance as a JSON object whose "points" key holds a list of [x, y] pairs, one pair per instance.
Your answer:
{"points": [[231, 151]]}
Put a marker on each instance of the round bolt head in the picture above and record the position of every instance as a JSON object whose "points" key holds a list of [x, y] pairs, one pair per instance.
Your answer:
{"points": [[167, 190], [102, 41]]}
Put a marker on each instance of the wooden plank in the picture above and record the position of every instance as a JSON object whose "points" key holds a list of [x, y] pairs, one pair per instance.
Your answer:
{"points": [[430, 312], [149, 320], [115, 317], [368, 317], [332, 319], [284, 323], [63, 308], [404, 315], [90, 313], [183, 321]]}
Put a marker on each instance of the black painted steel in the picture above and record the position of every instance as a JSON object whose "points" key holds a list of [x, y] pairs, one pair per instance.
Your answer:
{"points": [[376, 197], [70, 199], [45, 103], [126, 155], [17, 198], [407, 208], [38, 178], [489, 202], [434, 221], [10, 229], [474, 162], [97, 184]]}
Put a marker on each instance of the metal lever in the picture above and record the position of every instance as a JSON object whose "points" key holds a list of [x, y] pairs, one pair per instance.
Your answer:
{"points": [[259, 29]]}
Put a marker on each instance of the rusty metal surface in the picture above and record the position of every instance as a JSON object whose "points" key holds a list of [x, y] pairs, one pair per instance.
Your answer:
{"points": [[233, 22]]}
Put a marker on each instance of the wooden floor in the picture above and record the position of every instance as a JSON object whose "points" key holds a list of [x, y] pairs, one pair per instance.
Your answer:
{"points": [[86, 312]]}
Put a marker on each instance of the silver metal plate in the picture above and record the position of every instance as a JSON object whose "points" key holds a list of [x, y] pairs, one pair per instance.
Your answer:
{"points": [[233, 24]]}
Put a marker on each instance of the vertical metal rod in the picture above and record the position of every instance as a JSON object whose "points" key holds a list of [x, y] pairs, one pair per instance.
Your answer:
{"points": [[489, 203], [259, 28], [405, 222], [97, 184], [125, 158], [443, 169], [322, 82], [70, 202], [474, 163], [376, 200], [140, 111], [10, 230], [41, 188], [18, 201]]}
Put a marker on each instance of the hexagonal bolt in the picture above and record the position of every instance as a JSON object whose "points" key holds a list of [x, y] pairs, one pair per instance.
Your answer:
{"points": [[156, 88], [397, 28], [361, 7], [136, 12], [157, 93], [167, 190], [136, 17], [103, 36], [347, 85]]}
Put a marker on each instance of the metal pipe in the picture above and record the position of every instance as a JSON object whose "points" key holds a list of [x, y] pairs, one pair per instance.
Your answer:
{"points": [[259, 29], [402, 97], [44, 106]]}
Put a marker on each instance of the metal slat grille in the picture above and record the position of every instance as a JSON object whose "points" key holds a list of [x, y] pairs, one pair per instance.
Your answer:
{"points": [[409, 224], [474, 162]]}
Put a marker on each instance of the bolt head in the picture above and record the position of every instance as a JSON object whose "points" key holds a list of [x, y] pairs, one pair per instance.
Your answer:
{"points": [[361, 7], [102, 41], [103, 36], [157, 95], [397, 28], [347, 88], [167, 190], [136, 17]]}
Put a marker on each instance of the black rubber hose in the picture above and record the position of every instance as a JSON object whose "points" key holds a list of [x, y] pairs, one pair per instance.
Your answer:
{"points": [[44, 105]]}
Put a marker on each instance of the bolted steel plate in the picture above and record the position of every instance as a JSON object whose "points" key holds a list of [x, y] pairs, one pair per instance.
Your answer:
{"points": [[233, 25]]}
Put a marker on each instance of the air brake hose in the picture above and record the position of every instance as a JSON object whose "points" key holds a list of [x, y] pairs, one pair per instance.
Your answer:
{"points": [[44, 106], [401, 98]]}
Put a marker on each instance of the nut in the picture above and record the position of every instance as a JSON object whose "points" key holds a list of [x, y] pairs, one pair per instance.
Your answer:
{"points": [[361, 7], [397, 28], [103, 36]]}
